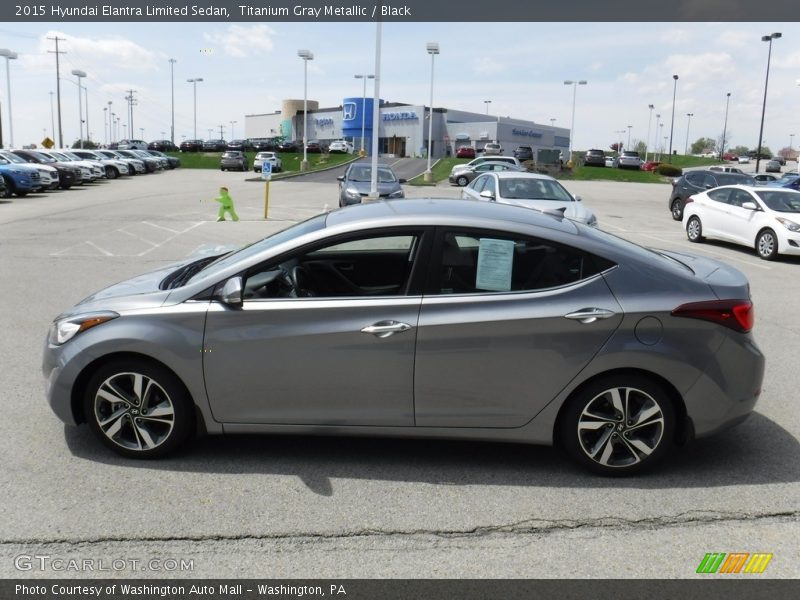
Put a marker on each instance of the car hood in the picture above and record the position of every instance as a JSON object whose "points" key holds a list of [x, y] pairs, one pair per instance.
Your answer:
{"points": [[575, 211], [27, 168]]}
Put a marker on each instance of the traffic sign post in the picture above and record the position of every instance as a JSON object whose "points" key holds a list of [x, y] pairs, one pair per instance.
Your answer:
{"points": [[266, 175]]}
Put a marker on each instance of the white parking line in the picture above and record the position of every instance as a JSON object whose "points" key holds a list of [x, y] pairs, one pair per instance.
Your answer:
{"points": [[98, 248], [137, 237], [172, 238], [160, 227]]}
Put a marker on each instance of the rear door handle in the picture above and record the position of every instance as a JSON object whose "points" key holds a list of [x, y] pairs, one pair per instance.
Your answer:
{"points": [[589, 315], [384, 329]]}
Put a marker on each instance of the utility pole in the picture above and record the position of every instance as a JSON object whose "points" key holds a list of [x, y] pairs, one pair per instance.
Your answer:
{"points": [[131, 101], [172, 62], [57, 39]]}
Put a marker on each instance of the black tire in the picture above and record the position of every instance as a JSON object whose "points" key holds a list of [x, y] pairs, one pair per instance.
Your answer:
{"points": [[6, 192], [222, 168], [133, 429], [676, 208], [600, 429], [20, 193], [767, 244], [462, 181], [111, 173], [694, 230]]}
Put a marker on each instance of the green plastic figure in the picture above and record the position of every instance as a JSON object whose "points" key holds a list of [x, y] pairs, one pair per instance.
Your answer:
{"points": [[225, 205]]}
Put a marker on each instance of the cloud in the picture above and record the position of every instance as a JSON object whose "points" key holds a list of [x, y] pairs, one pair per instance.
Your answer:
{"points": [[676, 37], [486, 65], [240, 41], [735, 39]]}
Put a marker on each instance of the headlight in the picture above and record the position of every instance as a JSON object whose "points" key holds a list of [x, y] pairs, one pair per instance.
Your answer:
{"points": [[64, 330], [397, 194], [352, 193], [790, 225]]}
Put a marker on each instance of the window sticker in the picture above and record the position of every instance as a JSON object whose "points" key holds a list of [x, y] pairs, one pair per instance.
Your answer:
{"points": [[495, 261]]}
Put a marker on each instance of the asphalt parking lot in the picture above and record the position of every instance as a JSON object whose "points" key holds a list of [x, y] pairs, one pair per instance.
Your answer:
{"points": [[262, 506]]}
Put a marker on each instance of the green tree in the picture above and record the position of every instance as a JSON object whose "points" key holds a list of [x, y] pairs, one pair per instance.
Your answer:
{"points": [[740, 150], [702, 145], [87, 144]]}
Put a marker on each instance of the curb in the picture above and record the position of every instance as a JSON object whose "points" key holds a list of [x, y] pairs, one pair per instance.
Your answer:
{"points": [[300, 174]]}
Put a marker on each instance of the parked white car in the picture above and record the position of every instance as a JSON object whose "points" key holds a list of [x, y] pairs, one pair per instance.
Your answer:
{"points": [[341, 146], [744, 160], [529, 190], [132, 145], [482, 159], [113, 166], [270, 157], [492, 149], [766, 219]]}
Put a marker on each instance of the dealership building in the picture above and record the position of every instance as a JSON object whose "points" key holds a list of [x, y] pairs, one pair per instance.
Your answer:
{"points": [[403, 128]]}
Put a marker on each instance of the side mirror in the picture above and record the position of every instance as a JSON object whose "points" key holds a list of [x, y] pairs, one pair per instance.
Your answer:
{"points": [[231, 293], [340, 178], [708, 186], [402, 180], [578, 198], [489, 195], [750, 205]]}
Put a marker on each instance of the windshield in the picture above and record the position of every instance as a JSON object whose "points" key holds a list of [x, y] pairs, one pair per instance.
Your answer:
{"points": [[526, 188], [313, 224], [10, 157], [734, 179], [74, 156], [61, 156], [780, 201], [42, 157], [362, 173]]}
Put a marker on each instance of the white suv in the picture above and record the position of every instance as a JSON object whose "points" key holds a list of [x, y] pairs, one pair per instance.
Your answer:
{"points": [[270, 157], [132, 145], [492, 149]]}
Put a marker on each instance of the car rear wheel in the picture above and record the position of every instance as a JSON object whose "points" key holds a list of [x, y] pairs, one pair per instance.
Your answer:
{"points": [[462, 181], [677, 209], [138, 409], [111, 173], [694, 230], [619, 425], [767, 244], [6, 191]]}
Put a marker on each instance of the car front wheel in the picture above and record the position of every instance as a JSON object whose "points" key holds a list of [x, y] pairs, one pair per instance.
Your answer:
{"points": [[694, 230], [462, 181], [767, 244], [618, 425], [138, 409]]}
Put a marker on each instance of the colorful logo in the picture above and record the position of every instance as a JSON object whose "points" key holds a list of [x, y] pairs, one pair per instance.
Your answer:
{"points": [[735, 562]]}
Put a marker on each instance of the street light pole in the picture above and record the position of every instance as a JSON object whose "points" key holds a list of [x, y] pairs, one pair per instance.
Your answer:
{"points": [[52, 117], [194, 95], [574, 85], [172, 62], [628, 146], [232, 124], [306, 56], [725, 127], [672, 125], [80, 74], [487, 103], [688, 122], [649, 123], [766, 38], [363, 108], [9, 56], [433, 50]]}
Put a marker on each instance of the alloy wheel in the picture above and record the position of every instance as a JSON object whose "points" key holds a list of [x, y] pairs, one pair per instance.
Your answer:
{"points": [[133, 411], [620, 427]]}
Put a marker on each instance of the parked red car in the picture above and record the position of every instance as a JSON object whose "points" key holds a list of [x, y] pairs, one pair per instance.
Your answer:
{"points": [[465, 152], [730, 156], [650, 165]]}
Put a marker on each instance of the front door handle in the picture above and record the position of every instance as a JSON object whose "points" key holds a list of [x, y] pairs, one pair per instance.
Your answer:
{"points": [[383, 329], [589, 315]]}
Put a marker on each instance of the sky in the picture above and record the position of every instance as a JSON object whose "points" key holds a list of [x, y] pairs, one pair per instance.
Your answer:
{"points": [[248, 68]]}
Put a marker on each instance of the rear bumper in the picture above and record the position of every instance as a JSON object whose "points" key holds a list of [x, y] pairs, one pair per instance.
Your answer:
{"points": [[728, 389]]}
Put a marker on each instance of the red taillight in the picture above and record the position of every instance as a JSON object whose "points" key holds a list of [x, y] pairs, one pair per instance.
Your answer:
{"points": [[738, 315]]}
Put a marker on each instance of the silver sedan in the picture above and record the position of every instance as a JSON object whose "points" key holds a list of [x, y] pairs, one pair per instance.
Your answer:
{"points": [[530, 190], [418, 318]]}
